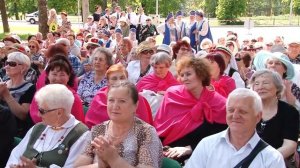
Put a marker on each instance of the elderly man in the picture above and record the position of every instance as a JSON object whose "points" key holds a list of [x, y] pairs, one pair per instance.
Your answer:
{"points": [[230, 147]]}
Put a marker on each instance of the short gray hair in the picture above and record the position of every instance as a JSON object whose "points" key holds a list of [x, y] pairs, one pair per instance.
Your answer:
{"points": [[64, 41], [55, 96], [243, 93], [106, 52], [277, 80], [20, 58], [161, 58]]}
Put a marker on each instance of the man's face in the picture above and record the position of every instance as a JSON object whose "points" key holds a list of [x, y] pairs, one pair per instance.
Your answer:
{"points": [[241, 116]]}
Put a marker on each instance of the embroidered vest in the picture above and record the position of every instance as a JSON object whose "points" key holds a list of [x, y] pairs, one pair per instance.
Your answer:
{"points": [[57, 155]]}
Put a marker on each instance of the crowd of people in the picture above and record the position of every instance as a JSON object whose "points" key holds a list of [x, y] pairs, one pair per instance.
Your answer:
{"points": [[110, 96]]}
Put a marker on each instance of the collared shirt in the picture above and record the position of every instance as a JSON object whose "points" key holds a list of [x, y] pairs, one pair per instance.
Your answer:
{"points": [[75, 63], [50, 142], [239, 82], [134, 71], [217, 151]]}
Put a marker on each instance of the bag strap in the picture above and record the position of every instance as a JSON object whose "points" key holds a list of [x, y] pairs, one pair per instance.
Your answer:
{"points": [[247, 160]]}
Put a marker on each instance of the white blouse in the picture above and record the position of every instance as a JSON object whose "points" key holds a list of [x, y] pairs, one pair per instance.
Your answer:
{"points": [[50, 142]]}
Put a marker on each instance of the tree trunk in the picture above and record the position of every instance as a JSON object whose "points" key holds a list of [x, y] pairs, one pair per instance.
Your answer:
{"points": [[104, 4], [4, 17], [85, 9], [43, 18]]}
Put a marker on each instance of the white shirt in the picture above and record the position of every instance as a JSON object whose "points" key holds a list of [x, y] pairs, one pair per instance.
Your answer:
{"points": [[133, 18], [217, 151], [50, 143], [134, 70], [143, 19], [239, 83]]}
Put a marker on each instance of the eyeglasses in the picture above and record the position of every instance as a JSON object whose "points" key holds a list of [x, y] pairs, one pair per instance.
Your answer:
{"points": [[147, 52], [43, 111], [11, 63], [31, 46]]}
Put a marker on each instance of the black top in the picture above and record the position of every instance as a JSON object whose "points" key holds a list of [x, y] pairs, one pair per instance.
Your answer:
{"points": [[96, 17], [8, 129], [284, 125]]}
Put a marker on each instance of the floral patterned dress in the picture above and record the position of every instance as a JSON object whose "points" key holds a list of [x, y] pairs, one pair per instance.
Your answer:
{"points": [[141, 147], [87, 88]]}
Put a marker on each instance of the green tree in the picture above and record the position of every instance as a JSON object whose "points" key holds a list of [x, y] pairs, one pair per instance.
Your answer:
{"points": [[210, 7], [229, 10]]}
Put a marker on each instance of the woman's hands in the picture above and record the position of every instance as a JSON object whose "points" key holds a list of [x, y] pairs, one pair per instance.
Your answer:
{"points": [[25, 163], [105, 151], [4, 92], [178, 152]]}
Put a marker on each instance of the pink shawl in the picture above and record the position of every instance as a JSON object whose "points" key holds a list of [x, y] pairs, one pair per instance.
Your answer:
{"points": [[97, 112], [180, 112], [42, 80], [154, 83], [224, 85], [77, 109]]}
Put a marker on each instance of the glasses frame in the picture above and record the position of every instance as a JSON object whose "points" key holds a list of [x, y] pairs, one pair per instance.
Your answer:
{"points": [[11, 63], [43, 111]]}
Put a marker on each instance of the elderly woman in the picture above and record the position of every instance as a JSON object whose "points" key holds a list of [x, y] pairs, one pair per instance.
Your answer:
{"points": [[154, 85], [97, 112], [123, 54], [161, 79], [16, 94], [94, 80], [189, 112], [277, 115], [180, 49], [52, 51], [281, 64], [222, 83], [139, 68], [58, 139], [37, 59], [123, 141], [59, 71]]}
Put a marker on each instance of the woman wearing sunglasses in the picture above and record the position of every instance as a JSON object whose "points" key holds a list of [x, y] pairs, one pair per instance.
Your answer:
{"points": [[59, 71], [16, 93], [141, 67], [58, 139]]}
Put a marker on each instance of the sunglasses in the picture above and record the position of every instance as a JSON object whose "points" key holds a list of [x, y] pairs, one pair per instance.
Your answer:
{"points": [[148, 20], [31, 46], [90, 48], [148, 52], [43, 111], [11, 63]]}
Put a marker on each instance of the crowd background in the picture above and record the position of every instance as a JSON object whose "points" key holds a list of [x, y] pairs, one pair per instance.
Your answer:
{"points": [[139, 98]]}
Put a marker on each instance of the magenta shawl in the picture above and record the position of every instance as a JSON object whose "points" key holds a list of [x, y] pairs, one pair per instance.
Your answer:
{"points": [[180, 112], [154, 83], [97, 112], [224, 85]]}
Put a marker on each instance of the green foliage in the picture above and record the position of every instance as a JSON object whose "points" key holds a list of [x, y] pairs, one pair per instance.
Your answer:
{"points": [[230, 10], [210, 7], [69, 6]]}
